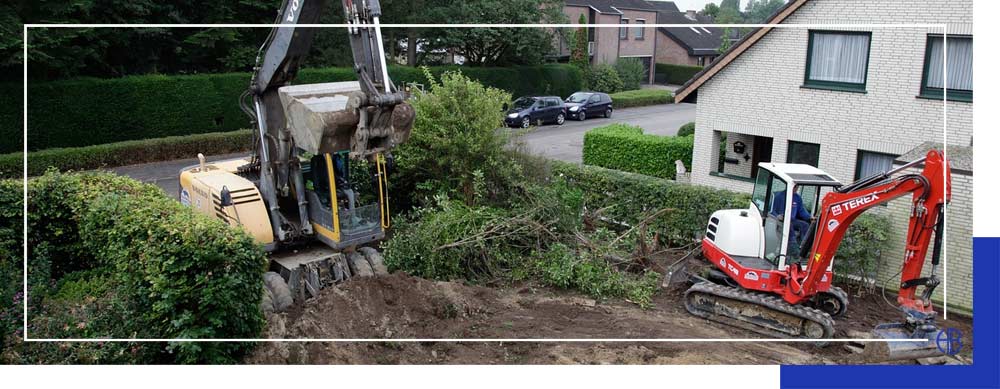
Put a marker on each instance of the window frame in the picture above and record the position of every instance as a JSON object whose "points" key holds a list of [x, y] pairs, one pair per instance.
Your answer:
{"points": [[938, 93], [623, 31], [857, 161], [788, 153], [640, 32], [837, 85]]}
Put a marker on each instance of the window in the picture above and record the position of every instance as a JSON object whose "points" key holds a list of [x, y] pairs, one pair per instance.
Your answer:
{"points": [[804, 153], [838, 60], [623, 31], [640, 31], [959, 68], [871, 163]]}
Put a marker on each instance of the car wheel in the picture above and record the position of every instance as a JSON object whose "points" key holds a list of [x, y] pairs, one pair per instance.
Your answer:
{"points": [[607, 113], [525, 123], [560, 119], [582, 116]]}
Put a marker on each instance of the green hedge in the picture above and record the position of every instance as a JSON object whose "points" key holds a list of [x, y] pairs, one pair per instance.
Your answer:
{"points": [[624, 147], [175, 273], [125, 153], [675, 74], [686, 130], [641, 97], [83, 112], [630, 198]]}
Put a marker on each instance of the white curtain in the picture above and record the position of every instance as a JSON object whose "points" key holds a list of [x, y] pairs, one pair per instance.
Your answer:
{"points": [[839, 57], [873, 163], [959, 63]]}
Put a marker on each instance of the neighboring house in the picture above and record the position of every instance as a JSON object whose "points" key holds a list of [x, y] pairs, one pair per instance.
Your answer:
{"points": [[850, 100], [696, 46], [607, 44]]}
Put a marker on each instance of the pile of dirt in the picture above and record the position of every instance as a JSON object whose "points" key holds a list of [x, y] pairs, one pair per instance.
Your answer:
{"points": [[400, 306]]}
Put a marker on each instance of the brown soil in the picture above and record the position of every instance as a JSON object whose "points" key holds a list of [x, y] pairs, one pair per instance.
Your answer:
{"points": [[400, 306]]}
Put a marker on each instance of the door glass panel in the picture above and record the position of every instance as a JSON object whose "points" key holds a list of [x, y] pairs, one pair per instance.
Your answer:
{"points": [[759, 197], [774, 221]]}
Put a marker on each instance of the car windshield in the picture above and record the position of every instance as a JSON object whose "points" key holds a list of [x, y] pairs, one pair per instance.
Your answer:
{"points": [[523, 102], [578, 98]]}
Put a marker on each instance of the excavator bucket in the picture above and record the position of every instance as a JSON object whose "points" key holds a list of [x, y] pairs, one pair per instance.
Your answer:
{"points": [[904, 342], [684, 269], [324, 118]]}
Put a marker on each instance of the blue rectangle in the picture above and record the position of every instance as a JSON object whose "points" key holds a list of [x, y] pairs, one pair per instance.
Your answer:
{"points": [[984, 371]]}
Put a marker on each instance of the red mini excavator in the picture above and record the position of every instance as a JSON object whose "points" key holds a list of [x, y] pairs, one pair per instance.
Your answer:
{"points": [[773, 262]]}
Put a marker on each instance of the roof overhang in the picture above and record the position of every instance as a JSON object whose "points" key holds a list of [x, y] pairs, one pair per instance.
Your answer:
{"points": [[735, 51]]}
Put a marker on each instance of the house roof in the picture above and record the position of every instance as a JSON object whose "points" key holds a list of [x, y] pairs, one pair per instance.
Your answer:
{"points": [[663, 6], [960, 157], [614, 7], [735, 51], [696, 40]]}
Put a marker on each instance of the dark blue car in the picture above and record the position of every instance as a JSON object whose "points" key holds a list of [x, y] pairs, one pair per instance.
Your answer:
{"points": [[526, 111]]}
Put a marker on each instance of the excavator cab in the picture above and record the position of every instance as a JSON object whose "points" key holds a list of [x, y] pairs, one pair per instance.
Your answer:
{"points": [[340, 214], [786, 220]]}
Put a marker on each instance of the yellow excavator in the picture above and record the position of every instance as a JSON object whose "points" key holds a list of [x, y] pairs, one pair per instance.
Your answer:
{"points": [[295, 193]]}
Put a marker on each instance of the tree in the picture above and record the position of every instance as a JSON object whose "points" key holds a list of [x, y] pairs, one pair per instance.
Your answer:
{"points": [[579, 55], [711, 9], [758, 11], [725, 43], [730, 4], [498, 46]]}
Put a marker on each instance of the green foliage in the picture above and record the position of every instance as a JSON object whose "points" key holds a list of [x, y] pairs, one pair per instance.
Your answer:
{"points": [[564, 267], [604, 78], [86, 112], [454, 148], [11, 252], [579, 56], [676, 74], [686, 130], [711, 9], [125, 153], [631, 72], [725, 43], [630, 198], [860, 251], [758, 11], [137, 264], [625, 147], [641, 97]]}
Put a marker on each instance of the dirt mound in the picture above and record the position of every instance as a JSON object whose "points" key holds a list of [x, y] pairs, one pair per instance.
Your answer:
{"points": [[399, 306]]}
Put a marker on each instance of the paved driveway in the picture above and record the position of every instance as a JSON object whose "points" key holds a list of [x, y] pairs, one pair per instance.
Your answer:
{"points": [[563, 142]]}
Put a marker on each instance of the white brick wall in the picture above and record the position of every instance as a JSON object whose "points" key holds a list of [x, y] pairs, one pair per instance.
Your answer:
{"points": [[760, 93]]}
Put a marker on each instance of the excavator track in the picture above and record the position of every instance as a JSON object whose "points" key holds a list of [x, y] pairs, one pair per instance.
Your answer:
{"points": [[761, 313]]}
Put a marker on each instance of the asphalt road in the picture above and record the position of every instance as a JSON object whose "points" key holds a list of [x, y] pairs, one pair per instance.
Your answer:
{"points": [[563, 142]]}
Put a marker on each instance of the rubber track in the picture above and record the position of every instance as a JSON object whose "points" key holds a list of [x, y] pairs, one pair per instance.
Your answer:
{"points": [[767, 301]]}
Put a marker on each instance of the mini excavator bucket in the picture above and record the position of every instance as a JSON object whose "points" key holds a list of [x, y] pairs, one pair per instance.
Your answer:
{"points": [[918, 338], [324, 118]]}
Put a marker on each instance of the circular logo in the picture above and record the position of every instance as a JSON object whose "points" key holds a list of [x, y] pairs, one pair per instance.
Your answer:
{"points": [[949, 341]]}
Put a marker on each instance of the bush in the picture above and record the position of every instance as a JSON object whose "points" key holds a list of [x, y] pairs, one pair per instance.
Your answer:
{"points": [[631, 72], [125, 153], [173, 273], [641, 97], [83, 112], [630, 198], [860, 251], [625, 147], [686, 130], [676, 74], [11, 253], [604, 78]]}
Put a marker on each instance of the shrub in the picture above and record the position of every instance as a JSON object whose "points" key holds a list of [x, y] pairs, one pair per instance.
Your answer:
{"points": [[676, 74], [83, 112], [686, 130], [604, 78], [625, 147], [631, 72], [125, 153], [11, 252], [630, 198], [454, 148], [173, 273], [641, 97], [860, 251]]}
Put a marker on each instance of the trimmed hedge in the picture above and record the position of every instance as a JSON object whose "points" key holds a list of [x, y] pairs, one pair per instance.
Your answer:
{"points": [[625, 147], [125, 153], [176, 273], [630, 198], [83, 112], [641, 97], [686, 130], [675, 74]]}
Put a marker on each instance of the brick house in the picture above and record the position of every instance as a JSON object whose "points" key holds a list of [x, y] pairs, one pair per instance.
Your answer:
{"points": [[851, 101], [607, 44]]}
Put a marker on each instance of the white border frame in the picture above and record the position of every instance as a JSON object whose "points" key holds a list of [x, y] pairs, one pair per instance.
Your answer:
{"points": [[942, 27]]}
